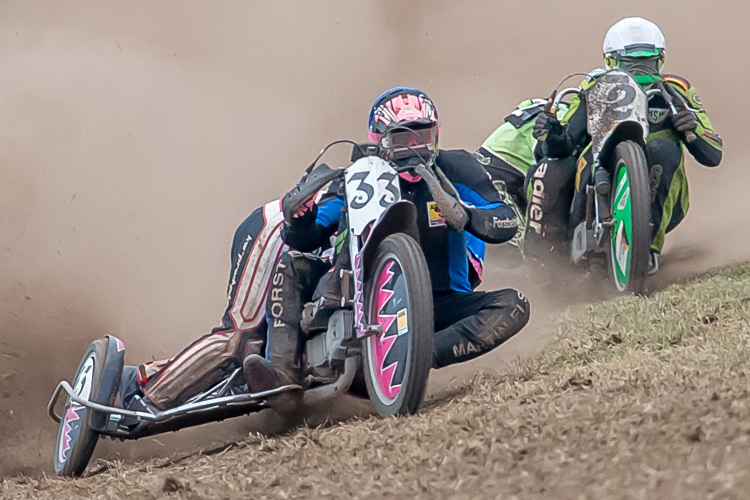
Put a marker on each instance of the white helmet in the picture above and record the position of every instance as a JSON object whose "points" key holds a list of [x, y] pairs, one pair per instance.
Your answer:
{"points": [[632, 32], [635, 42]]}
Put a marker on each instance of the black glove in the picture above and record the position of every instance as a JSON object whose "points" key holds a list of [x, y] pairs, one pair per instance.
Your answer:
{"points": [[684, 121], [545, 125]]}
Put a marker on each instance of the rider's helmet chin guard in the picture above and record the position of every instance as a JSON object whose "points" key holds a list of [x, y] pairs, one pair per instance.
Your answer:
{"points": [[637, 46], [404, 121]]}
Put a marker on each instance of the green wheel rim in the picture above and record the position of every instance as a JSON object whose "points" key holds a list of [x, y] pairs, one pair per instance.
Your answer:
{"points": [[622, 230]]}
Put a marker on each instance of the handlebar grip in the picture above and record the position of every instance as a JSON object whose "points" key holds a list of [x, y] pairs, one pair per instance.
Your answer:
{"points": [[549, 108]]}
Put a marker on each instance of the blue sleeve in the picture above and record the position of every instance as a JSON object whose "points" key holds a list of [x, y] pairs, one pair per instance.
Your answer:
{"points": [[330, 212], [471, 197], [492, 222]]}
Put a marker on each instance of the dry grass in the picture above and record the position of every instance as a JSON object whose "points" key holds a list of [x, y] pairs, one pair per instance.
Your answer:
{"points": [[638, 398]]}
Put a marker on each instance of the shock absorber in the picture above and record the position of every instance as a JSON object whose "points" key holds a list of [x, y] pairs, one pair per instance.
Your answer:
{"points": [[602, 189]]}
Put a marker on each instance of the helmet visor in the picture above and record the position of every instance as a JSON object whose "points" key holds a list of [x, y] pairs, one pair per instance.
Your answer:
{"points": [[644, 69], [405, 142]]}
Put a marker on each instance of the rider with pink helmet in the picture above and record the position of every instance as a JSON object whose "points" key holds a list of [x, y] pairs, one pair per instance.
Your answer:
{"points": [[467, 323]]}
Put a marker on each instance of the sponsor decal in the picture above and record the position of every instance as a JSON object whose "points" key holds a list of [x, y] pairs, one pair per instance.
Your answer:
{"points": [[233, 281], [537, 198], [503, 223], [435, 217], [624, 199], [657, 115], [464, 349], [621, 195], [276, 297], [402, 320], [697, 99], [622, 248], [579, 170]]}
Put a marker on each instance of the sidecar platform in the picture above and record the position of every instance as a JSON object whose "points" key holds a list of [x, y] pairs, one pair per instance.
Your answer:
{"points": [[129, 424]]}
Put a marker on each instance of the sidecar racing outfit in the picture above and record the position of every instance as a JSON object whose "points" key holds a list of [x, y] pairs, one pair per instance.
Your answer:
{"points": [[467, 323], [256, 248]]}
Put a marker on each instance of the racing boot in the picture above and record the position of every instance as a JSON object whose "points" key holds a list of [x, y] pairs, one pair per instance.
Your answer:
{"points": [[262, 376], [129, 387], [653, 262], [131, 395]]}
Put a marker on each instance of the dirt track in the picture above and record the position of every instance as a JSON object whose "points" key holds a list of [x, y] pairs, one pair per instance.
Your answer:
{"points": [[638, 398], [135, 138]]}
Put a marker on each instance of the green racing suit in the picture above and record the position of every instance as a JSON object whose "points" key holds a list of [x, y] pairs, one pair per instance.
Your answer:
{"points": [[665, 154]]}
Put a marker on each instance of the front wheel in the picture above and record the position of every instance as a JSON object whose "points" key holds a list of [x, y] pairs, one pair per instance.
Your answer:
{"points": [[630, 239], [76, 437], [398, 297]]}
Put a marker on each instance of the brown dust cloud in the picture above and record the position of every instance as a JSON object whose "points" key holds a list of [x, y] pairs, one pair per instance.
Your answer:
{"points": [[135, 136]]}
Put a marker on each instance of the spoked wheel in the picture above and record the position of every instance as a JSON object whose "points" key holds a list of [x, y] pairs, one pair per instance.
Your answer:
{"points": [[628, 249], [399, 298], [76, 438]]}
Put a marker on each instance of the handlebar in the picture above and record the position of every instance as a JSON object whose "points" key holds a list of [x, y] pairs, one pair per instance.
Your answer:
{"points": [[557, 97], [662, 90]]}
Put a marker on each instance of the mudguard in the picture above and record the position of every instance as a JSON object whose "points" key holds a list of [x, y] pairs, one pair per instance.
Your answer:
{"points": [[624, 131], [401, 217], [109, 383]]}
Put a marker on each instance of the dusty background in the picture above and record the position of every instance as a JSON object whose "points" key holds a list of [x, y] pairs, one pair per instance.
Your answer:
{"points": [[134, 138]]}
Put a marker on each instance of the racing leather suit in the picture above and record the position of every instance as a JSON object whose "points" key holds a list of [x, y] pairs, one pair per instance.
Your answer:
{"points": [[467, 323], [566, 170], [256, 247]]}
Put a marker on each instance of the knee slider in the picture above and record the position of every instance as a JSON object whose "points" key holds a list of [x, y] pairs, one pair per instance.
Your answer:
{"points": [[518, 305], [664, 152]]}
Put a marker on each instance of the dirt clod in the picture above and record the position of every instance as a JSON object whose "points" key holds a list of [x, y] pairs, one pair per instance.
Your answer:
{"points": [[172, 485]]}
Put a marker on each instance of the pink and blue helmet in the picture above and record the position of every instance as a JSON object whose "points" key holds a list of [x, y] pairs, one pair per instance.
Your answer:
{"points": [[402, 106]]}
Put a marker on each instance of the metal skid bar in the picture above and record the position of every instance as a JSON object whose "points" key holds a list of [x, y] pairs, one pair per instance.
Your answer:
{"points": [[311, 396], [161, 416]]}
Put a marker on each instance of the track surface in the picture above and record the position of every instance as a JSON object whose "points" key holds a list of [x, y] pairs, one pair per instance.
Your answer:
{"points": [[135, 138], [637, 397]]}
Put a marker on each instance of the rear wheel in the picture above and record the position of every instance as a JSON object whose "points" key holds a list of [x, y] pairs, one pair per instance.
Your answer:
{"points": [[630, 239], [76, 439], [397, 362]]}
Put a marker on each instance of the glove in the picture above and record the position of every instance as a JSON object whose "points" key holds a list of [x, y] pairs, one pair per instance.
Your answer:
{"points": [[304, 208], [546, 124], [456, 216], [684, 121]]}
